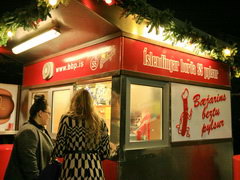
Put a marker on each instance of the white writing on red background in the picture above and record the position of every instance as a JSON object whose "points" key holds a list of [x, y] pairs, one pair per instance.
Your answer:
{"points": [[70, 66], [186, 66], [208, 114]]}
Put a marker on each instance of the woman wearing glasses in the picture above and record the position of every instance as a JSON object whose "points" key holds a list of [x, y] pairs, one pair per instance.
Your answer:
{"points": [[32, 146]]}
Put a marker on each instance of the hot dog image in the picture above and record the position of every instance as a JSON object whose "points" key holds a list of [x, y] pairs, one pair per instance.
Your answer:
{"points": [[6, 105], [182, 127]]}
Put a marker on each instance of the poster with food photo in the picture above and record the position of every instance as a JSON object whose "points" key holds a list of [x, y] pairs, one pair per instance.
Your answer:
{"points": [[8, 104]]}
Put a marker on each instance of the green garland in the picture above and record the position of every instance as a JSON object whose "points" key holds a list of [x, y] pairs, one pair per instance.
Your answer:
{"points": [[29, 16], [26, 17], [177, 31], [173, 29]]}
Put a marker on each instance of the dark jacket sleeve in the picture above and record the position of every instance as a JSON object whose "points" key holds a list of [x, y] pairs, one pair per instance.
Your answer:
{"points": [[27, 151]]}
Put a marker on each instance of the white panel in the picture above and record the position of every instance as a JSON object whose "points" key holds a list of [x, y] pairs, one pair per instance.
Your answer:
{"points": [[200, 113]]}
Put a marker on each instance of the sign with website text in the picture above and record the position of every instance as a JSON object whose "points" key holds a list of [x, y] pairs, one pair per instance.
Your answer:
{"points": [[200, 113], [157, 60], [97, 59], [127, 54]]}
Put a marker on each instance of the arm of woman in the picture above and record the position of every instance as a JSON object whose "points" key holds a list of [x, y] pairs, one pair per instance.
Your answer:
{"points": [[59, 147], [104, 142], [27, 152]]}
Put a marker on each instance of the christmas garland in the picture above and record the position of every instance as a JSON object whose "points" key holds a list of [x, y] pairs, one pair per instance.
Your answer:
{"points": [[28, 18]]}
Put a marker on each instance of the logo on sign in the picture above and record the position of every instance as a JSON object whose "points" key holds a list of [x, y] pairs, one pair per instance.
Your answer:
{"points": [[94, 63], [100, 59], [47, 71], [186, 115]]}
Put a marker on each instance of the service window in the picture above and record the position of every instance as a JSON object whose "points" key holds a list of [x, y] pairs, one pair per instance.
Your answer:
{"points": [[147, 113], [60, 105], [101, 93], [58, 99]]}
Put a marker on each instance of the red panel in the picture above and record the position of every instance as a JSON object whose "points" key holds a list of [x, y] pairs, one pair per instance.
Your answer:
{"points": [[110, 169], [97, 59], [236, 167], [137, 56], [5, 153], [157, 60]]}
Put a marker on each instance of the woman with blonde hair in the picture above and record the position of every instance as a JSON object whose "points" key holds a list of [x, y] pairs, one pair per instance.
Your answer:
{"points": [[82, 140]]}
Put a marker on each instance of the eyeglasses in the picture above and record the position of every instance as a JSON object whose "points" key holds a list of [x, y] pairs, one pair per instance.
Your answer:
{"points": [[47, 113]]}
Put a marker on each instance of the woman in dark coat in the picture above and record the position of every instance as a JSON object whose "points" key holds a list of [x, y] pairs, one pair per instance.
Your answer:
{"points": [[82, 140], [32, 146]]}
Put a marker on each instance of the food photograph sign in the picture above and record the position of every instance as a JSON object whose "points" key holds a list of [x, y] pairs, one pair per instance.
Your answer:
{"points": [[199, 113], [8, 103]]}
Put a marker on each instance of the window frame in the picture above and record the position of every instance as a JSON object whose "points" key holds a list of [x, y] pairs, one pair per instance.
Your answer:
{"points": [[165, 116]]}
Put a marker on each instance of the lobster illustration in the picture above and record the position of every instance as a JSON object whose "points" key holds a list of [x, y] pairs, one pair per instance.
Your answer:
{"points": [[182, 127]]}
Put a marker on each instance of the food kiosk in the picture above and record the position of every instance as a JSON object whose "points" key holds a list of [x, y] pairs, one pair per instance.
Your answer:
{"points": [[167, 110]]}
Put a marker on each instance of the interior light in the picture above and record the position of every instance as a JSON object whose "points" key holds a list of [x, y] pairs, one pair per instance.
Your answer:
{"points": [[40, 39], [53, 2]]}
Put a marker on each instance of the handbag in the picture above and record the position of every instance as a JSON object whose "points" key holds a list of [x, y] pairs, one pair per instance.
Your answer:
{"points": [[52, 171]]}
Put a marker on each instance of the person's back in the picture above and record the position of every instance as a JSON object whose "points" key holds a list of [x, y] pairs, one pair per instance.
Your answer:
{"points": [[82, 146]]}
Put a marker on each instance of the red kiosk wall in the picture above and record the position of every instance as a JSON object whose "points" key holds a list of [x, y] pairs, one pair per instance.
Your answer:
{"points": [[156, 60], [93, 60], [137, 57], [5, 152]]}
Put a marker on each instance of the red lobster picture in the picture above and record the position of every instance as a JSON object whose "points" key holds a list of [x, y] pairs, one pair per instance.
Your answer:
{"points": [[182, 127]]}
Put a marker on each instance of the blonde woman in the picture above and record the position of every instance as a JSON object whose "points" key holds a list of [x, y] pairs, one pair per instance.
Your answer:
{"points": [[82, 140]]}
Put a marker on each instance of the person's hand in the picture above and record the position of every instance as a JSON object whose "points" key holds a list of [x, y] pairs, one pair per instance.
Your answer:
{"points": [[113, 146], [113, 150]]}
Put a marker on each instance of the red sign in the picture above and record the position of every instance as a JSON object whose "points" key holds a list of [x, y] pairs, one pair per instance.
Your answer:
{"points": [[152, 59], [97, 59], [136, 56]]}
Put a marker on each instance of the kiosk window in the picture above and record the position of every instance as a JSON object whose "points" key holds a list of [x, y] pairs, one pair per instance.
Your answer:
{"points": [[145, 113], [60, 106], [101, 93]]}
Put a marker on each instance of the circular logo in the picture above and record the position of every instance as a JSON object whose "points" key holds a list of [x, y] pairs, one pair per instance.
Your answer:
{"points": [[94, 63], [47, 71]]}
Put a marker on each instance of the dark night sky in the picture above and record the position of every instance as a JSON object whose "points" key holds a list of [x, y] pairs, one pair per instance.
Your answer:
{"points": [[218, 18]]}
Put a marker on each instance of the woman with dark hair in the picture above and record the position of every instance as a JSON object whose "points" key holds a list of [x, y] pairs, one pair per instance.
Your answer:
{"points": [[82, 140], [32, 145]]}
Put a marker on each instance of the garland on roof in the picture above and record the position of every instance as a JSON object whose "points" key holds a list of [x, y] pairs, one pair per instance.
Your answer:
{"points": [[26, 17], [173, 30], [39, 10], [178, 32]]}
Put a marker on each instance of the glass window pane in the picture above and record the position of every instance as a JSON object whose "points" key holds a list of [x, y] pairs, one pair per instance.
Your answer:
{"points": [[101, 93], [61, 99], [146, 113]]}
